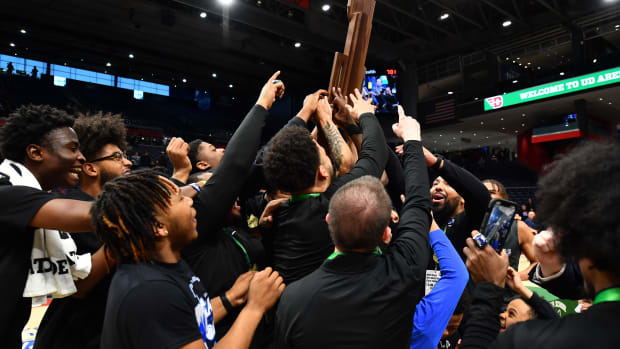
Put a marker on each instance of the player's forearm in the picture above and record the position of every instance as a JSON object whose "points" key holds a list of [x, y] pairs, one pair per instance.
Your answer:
{"points": [[240, 334]]}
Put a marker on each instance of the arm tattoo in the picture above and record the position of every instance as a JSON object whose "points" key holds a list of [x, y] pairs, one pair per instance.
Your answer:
{"points": [[335, 143]]}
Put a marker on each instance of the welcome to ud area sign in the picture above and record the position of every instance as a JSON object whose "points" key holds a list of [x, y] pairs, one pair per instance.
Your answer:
{"points": [[558, 88]]}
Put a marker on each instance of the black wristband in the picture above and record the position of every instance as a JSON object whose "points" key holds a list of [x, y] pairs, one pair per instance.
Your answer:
{"points": [[438, 162], [353, 129], [226, 303]]}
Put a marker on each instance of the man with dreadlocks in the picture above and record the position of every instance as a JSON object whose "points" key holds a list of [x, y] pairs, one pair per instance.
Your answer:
{"points": [[155, 301], [76, 322], [41, 153]]}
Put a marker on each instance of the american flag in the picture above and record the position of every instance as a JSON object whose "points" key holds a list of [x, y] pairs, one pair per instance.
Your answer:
{"points": [[438, 111]]}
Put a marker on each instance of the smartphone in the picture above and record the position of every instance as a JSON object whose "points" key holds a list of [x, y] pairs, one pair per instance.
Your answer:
{"points": [[497, 222]]}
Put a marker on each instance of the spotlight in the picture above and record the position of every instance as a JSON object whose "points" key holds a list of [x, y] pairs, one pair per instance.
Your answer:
{"points": [[230, 86], [515, 81], [297, 44], [214, 75], [23, 31], [444, 16], [506, 24], [131, 55], [225, 2], [12, 44], [108, 64], [562, 74], [594, 60], [325, 7], [184, 80], [450, 92], [203, 15]]}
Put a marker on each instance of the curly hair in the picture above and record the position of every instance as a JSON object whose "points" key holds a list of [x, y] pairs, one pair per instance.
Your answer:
{"points": [[30, 124], [578, 198], [291, 160], [96, 130], [124, 214]]}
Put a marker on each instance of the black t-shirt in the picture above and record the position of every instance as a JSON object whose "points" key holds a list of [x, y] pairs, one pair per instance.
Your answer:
{"points": [[18, 205], [157, 305], [71, 322]]}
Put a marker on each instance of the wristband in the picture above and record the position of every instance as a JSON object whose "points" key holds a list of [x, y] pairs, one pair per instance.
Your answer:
{"points": [[196, 187], [437, 165], [353, 129], [226, 303]]}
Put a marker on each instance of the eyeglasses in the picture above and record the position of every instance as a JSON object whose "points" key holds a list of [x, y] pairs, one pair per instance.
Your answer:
{"points": [[117, 156]]}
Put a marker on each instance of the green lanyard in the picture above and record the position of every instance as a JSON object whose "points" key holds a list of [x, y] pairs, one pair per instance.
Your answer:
{"points": [[338, 253], [302, 197], [245, 253], [608, 295]]}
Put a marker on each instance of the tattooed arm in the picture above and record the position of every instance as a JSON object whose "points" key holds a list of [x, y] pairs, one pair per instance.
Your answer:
{"points": [[337, 148]]}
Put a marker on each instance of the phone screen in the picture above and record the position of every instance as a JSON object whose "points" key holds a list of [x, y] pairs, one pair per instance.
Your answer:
{"points": [[498, 225]]}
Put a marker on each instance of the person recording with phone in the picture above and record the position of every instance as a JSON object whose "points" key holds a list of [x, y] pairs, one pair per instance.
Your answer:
{"points": [[588, 238]]}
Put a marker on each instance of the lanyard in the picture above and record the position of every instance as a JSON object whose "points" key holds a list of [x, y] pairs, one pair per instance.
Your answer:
{"points": [[608, 295], [245, 253], [302, 197], [377, 251]]}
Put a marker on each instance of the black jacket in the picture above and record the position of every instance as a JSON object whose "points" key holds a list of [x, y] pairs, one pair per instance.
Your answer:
{"points": [[476, 197], [215, 257], [299, 241], [365, 300]]}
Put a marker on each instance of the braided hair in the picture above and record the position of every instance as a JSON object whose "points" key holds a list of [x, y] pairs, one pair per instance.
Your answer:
{"points": [[124, 215]]}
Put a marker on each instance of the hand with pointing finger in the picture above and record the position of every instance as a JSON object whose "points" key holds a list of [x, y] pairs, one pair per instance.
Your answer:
{"points": [[272, 89], [407, 128]]}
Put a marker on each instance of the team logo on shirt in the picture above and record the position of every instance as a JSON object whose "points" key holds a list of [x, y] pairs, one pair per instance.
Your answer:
{"points": [[203, 313]]}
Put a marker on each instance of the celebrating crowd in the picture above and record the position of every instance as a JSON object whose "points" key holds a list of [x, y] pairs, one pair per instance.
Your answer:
{"points": [[324, 237]]}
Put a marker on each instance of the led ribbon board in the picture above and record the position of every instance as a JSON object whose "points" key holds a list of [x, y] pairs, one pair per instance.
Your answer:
{"points": [[558, 88]]}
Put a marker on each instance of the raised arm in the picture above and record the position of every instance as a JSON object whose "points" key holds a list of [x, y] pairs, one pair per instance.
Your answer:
{"points": [[339, 151], [219, 194], [433, 312], [71, 216], [415, 219], [373, 157]]}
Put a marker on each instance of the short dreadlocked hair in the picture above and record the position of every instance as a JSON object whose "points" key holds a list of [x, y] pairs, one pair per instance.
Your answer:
{"points": [[578, 198], [291, 160], [96, 130], [124, 214], [30, 124]]}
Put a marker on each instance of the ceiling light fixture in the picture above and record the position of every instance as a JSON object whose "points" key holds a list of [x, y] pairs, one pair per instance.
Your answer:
{"points": [[214, 75], [203, 15], [515, 81], [325, 7], [444, 16], [225, 2], [297, 44], [108, 64], [450, 92], [131, 55], [12, 44], [594, 60], [561, 73], [507, 24], [230, 86], [23, 31], [184, 80]]}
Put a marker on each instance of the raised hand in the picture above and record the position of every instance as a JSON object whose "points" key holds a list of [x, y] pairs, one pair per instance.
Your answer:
{"points": [[513, 280], [484, 264], [407, 128], [429, 157], [360, 105], [272, 89], [546, 254], [265, 290], [324, 112], [177, 151], [342, 110], [311, 102]]}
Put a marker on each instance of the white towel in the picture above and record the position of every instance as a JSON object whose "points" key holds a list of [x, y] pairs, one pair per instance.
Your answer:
{"points": [[54, 261]]}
